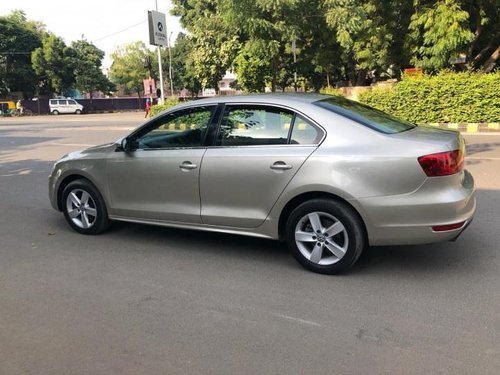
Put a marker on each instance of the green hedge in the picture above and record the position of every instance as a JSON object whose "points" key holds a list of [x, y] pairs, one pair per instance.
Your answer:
{"points": [[446, 97], [330, 91], [170, 102]]}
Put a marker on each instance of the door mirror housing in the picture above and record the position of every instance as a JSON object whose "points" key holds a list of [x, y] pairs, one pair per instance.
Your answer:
{"points": [[128, 145]]}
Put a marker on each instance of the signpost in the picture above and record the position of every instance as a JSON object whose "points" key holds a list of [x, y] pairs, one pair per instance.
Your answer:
{"points": [[158, 37], [157, 28]]}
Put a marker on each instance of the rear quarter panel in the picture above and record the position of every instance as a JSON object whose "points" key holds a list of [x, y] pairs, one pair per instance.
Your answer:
{"points": [[356, 162]]}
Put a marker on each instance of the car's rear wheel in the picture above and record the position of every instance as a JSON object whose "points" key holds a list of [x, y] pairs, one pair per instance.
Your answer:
{"points": [[55, 112], [84, 208], [325, 236]]}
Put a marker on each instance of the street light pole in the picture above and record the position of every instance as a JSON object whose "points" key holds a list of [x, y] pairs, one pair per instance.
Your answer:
{"points": [[294, 65], [162, 99], [170, 65]]}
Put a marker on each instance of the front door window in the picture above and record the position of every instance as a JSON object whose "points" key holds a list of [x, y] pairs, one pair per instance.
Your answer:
{"points": [[181, 129]]}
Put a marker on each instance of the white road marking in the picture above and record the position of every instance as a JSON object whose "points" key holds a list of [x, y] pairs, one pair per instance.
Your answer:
{"points": [[299, 320], [480, 158], [72, 144]]}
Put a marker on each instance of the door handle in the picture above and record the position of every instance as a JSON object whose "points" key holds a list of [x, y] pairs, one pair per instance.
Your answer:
{"points": [[281, 166], [187, 165]]}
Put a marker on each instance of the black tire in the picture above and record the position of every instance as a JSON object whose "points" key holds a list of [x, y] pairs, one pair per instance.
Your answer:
{"points": [[95, 215], [352, 238], [55, 112]]}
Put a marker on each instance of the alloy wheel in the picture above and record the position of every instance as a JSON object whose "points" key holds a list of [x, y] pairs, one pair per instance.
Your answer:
{"points": [[321, 238], [81, 208]]}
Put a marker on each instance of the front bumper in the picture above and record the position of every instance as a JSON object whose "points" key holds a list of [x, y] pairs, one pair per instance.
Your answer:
{"points": [[53, 187]]}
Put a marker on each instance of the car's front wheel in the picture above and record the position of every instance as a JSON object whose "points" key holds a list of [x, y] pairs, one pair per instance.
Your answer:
{"points": [[84, 207], [325, 236]]}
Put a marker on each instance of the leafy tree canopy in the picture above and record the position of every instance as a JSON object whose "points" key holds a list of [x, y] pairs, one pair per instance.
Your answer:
{"points": [[19, 37], [128, 66]]}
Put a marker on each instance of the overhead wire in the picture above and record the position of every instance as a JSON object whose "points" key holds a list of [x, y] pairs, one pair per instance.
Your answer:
{"points": [[120, 31]]}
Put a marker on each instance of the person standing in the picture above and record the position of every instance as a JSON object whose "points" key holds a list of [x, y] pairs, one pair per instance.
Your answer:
{"points": [[148, 107]]}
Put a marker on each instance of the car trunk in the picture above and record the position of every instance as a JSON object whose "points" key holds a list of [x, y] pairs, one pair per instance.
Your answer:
{"points": [[444, 140]]}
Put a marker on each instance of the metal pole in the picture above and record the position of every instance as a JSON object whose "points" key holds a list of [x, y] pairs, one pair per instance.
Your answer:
{"points": [[294, 65], [162, 99], [170, 66]]}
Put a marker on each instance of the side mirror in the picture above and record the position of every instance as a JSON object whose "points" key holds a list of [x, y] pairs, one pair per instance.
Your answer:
{"points": [[128, 145]]}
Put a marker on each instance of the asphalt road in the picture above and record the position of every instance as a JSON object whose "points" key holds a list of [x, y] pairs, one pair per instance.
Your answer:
{"points": [[150, 300]]}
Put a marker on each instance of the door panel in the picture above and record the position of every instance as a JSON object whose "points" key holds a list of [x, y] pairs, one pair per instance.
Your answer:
{"points": [[151, 184], [160, 180], [239, 185]]}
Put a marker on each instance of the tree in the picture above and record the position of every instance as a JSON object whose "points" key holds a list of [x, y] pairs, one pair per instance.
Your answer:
{"points": [[87, 62], [214, 42], [319, 55], [347, 40], [182, 66], [266, 28], [368, 33], [252, 69], [443, 29], [19, 37], [128, 67], [438, 30], [54, 63]]}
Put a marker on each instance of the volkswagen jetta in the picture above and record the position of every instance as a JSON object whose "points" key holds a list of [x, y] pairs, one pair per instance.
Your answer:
{"points": [[327, 175]]}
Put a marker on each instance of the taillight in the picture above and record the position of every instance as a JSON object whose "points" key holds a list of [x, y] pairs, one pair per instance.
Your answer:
{"points": [[443, 163]]}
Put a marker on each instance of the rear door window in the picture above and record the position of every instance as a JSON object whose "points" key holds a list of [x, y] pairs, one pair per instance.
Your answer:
{"points": [[247, 125]]}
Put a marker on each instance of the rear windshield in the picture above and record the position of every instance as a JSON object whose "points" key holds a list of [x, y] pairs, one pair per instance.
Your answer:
{"points": [[365, 115]]}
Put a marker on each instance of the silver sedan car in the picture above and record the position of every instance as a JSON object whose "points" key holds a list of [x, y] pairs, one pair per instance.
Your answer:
{"points": [[327, 175]]}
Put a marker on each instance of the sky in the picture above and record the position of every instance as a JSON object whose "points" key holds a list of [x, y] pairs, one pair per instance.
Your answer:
{"points": [[106, 23]]}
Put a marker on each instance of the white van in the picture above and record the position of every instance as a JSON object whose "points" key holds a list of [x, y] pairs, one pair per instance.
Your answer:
{"points": [[58, 106]]}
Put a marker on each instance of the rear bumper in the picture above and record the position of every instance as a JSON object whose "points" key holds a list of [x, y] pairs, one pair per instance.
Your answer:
{"points": [[408, 219], [462, 229]]}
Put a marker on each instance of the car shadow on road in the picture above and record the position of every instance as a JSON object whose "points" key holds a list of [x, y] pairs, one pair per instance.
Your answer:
{"points": [[473, 249], [11, 143], [226, 245], [476, 148], [427, 259]]}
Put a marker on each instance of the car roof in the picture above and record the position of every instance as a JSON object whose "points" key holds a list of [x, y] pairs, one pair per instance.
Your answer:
{"points": [[275, 98]]}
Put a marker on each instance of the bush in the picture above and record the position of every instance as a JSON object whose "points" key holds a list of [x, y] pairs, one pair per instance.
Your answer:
{"points": [[157, 108], [330, 91], [446, 97]]}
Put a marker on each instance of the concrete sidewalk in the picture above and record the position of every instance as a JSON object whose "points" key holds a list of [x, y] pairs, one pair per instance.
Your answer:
{"points": [[484, 127]]}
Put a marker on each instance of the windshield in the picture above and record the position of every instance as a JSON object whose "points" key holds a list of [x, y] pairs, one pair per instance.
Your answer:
{"points": [[365, 115]]}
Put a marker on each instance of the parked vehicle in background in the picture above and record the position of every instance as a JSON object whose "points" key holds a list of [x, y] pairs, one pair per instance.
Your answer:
{"points": [[58, 106], [327, 175], [6, 107]]}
